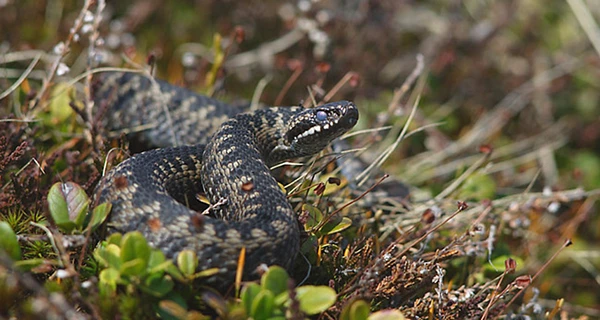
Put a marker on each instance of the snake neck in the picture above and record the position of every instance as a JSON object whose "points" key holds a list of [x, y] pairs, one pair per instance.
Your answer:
{"points": [[268, 128], [235, 168]]}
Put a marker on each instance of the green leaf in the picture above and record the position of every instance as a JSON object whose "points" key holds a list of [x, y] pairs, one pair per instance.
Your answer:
{"points": [[115, 239], [355, 310], [135, 253], [187, 262], [169, 309], [99, 214], [135, 267], [57, 204], [315, 299], [9, 242], [588, 163], [59, 108], [157, 262], [206, 273], [282, 298], [158, 285], [336, 225], [109, 256], [174, 307], [249, 293], [478, 186], [68, 205], [174, 272], [275, 280], [29, 264], [331, 188], [262, 305], [314, 216], [108, 281]]}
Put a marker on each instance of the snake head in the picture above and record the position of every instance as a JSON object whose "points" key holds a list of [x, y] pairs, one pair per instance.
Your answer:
{"points": [[311, 130]]}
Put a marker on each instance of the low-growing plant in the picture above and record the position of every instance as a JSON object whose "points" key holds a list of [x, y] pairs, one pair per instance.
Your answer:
{"points": [[69, 207], [128, 260], [274, 299]]}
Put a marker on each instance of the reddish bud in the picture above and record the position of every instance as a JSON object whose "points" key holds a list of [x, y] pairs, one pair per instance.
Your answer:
{"points": [[239, 34], [522, 281], [428, 216], [320, 188], [485, 148], [354, 80], [510, 265], [303, 217], [323, 67], [151, 59]]}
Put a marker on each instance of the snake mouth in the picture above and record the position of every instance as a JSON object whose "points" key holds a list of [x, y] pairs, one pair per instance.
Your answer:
{"points": [[323, 123]]}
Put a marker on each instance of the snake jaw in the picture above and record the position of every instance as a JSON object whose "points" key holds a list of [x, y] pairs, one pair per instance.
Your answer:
{"points": [[281, 149], [314, 128], [310, 130]]}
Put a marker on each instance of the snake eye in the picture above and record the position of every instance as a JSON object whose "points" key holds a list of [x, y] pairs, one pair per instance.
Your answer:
{"points": [[321, 115]]}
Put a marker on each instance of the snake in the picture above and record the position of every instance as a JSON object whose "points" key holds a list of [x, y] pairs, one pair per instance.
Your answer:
{"points": [[206, 146]]}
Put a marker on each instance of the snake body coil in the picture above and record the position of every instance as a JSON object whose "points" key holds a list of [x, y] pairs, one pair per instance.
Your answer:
{"points": [[149, 190]]}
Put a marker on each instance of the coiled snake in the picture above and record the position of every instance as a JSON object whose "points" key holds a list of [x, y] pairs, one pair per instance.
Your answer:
{"points": [[148, 191]]}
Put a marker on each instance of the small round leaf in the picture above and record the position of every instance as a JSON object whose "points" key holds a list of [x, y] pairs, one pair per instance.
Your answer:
{"points": [[158, 285], [262, 305], [315, 299], [249, 293], [355, 310], [135, 253], [68, 204], [336, 225], [109, 256], [108, 281], [9, 242], [99, 214], [275, 280], [187, 262], [314, 216]]}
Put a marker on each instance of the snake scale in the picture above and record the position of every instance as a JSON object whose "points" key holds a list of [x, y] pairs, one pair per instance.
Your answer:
{"points": [[223, 152]]}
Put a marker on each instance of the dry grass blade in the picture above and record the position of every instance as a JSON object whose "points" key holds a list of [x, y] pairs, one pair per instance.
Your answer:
{"points": [[22, 78], [491, 122], [585, 18], [463, 177], [363, 176]]}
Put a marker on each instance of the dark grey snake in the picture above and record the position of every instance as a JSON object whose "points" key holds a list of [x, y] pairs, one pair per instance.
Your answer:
{"points": [[148, 191]]}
